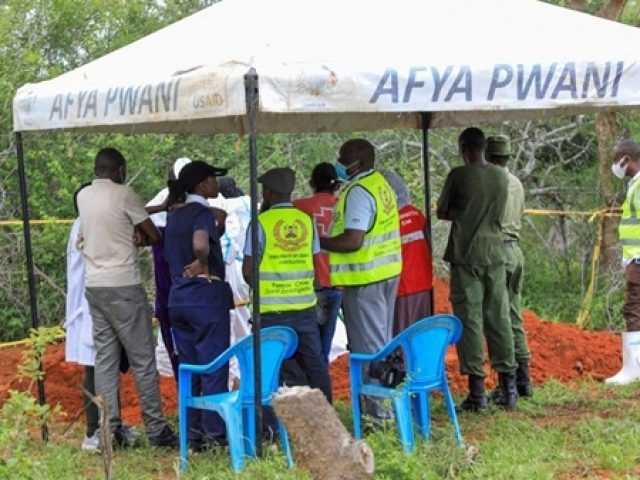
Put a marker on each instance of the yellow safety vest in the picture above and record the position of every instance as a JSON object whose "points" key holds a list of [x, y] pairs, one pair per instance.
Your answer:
{"points": [[380, 256], [629, 228], [286, 266]]}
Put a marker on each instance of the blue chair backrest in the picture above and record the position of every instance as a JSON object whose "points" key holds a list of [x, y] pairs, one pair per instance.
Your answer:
{"points": [[276, 344], [425, 344]]}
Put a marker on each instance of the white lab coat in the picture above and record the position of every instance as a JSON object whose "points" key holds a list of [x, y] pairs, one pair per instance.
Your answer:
{"points": [[79, 347], [232, 253]]}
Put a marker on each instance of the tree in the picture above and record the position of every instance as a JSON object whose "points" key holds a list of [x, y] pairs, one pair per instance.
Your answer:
{"points": [[608, 133]]}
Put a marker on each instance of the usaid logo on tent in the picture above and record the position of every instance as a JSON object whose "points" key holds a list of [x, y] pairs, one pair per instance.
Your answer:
{"points": [[316, 81], [202, 101]]}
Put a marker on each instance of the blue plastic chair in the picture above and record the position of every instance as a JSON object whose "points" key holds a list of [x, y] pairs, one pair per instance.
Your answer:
{"points": [[237, 408], [425, 346]]}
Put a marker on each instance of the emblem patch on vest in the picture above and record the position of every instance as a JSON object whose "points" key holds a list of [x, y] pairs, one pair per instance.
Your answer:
{"points": [[386, 199], [291, 236]]}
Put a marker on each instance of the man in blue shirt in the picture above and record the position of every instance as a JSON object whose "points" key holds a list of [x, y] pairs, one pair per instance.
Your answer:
{"points": [[200, 299]]}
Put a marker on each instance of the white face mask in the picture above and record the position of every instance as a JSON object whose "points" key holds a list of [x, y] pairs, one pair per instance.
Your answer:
{"points": [[618, 170]]}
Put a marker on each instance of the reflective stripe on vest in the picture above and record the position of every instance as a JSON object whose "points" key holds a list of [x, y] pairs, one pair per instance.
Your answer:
{"points": [[629, 228], [380, 256], [412, 237], [286, 267]]}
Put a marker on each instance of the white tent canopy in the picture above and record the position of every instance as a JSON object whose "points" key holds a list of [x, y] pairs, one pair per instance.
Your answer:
{"points": [[347, 65]]}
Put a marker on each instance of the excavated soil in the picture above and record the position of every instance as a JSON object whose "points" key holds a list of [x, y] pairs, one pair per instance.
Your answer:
{"points": [[560, 351]]}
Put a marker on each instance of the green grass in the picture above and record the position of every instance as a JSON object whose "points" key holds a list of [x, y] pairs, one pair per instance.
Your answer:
{"points": [[585, 431]]}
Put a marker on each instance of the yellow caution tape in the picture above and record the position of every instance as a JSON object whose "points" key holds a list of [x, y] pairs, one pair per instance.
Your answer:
{"points": [[585, 309], [22, 343], [19, 223], [583, 316], [601, 212]]}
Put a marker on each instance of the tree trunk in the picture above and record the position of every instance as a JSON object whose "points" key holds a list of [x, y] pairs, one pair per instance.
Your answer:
{"points": [[321, 444], [607, 133], [612, 10]]}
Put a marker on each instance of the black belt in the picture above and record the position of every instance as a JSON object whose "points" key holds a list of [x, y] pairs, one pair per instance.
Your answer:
{"points": [[210, 278]]}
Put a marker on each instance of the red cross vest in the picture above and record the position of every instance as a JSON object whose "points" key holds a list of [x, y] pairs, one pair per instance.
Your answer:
{"points": [[417, 269]]}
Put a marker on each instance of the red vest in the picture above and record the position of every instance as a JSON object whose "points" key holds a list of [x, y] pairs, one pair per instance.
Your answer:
{"points": [[417, 269], [320, 208]]}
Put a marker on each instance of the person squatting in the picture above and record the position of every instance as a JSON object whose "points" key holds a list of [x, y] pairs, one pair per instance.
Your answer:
{"points": [[357, 244]]}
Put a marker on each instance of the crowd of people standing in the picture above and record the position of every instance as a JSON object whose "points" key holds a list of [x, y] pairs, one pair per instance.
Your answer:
{"points": [[356, 244]]}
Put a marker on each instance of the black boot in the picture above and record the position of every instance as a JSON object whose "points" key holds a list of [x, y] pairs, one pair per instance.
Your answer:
{"points": [[508, 393], [477, 398], [523, 379]]}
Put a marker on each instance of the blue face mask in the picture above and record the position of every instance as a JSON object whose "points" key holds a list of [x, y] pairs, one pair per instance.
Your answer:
{"points": [[341, 170]]}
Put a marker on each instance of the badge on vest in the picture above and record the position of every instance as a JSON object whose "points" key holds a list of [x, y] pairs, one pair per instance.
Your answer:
{"points": [[386, 199], [291, 237]]}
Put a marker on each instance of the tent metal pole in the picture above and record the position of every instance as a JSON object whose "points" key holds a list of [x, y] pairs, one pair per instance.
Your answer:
{"points": [[31, 274], [426, 119], [253, 104]]}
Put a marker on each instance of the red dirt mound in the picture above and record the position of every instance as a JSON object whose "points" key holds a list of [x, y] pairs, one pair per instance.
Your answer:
{"points": [[559, 351]]}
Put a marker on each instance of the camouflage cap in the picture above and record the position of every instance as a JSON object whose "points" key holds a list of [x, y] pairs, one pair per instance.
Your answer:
{"points": [[498, 145]]}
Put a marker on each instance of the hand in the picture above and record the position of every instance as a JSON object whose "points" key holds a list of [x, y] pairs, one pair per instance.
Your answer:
{"points": [[139, 238], [196, 268], [220, 215]]}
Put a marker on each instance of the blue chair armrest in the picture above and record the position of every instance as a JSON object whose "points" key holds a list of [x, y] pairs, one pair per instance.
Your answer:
{"points": [[216, 364], [380, 354], [362, 357]]}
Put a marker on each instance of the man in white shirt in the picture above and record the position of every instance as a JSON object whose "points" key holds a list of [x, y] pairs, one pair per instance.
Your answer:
{"points": [[113, 218]]}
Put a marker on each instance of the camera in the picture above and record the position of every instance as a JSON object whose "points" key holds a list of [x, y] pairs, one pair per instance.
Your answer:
{"points": [[390, 372]]}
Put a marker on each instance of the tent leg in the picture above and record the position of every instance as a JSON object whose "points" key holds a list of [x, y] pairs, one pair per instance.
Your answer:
{"points": [[426, 119], [253, 104], [31, 275]]}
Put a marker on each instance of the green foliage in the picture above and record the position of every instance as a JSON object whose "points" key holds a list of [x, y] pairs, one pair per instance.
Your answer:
{"points": [[21, 414], [584, 431], [40, 39]]}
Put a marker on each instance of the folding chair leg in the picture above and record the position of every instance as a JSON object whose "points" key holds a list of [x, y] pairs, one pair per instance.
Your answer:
{"points": [[182, 431], [422, 413], [284, 438], [355, 405], [250, 431], [402, 406], [451, 410], [233, 418]]}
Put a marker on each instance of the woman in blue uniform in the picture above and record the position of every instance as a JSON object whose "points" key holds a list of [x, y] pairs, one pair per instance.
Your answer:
{"points": [[200, 299]]}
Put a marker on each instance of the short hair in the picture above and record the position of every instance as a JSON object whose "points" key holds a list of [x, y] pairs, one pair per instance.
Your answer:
{"points": [[629, 147], [473, 138], [109, 159], [358, 149]]}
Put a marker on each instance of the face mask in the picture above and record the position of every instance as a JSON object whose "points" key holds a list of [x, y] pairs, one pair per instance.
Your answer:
{"points": [[341, 170], [618, 170]]}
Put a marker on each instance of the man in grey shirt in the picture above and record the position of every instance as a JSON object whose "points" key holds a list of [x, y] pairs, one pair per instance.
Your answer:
{"points": [[114, 224]]}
